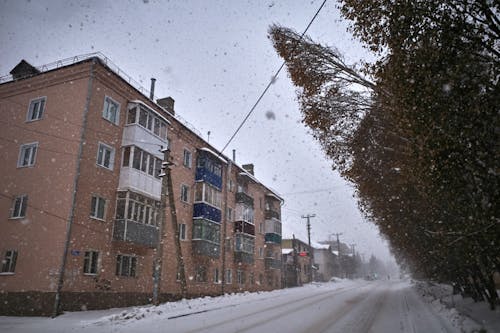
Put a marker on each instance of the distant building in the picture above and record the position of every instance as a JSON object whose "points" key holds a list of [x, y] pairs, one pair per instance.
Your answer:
{"points": [[296, 262], [81, 194], [325, 260]]}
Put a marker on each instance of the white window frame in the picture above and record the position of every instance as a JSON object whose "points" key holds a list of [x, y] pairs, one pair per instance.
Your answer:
{"points": [[111, 157], [106, 114], [31, 149], [182, 231], [132, 260], [229, 276], [36, 107], [23, 206], [9, 262], [185, 193], [89, 255], [95, 210], [187, 159]]}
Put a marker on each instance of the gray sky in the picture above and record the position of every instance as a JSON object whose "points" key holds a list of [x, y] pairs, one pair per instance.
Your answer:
{"points": [[214, 58]]}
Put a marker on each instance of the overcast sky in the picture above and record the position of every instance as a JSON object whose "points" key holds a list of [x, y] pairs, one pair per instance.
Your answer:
{"points": [[214, 58]]}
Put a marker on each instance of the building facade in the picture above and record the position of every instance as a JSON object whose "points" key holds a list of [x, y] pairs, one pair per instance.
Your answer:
{"points": [[81, 198], [296, 256]]}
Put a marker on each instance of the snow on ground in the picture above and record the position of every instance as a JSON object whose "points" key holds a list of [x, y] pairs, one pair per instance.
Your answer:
{"points": [[468, 315], [342, 306]]}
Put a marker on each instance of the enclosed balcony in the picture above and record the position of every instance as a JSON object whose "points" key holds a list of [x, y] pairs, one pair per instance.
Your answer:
{"points": [[244, 227], [209, 168], [271, 213], [244, 248], [134, 232], [242, 197], [271, 263], [206, 238], [272, 228]]}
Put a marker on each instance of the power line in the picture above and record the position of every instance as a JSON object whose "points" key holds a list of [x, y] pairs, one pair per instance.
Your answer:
{"points": [[273, 79]]}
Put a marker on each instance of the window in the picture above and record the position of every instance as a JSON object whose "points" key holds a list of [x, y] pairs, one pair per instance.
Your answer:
{"points": [[19, 206], [27, 155], [230, 186], [126, 265], [97, 207], [241, 277], [261, 227], [9, 262], [36, 108], [184, 193], [111, 110], [216, 275], [187, 160], [252, 278], [105, 156], [261, 252], [229, 276], [182, 231], [201, 274], [229, 214], [90, 262], [141, 160]]}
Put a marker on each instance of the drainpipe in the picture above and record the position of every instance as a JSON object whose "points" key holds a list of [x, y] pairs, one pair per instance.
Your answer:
{"points": [[224, 228], [71, 217]]}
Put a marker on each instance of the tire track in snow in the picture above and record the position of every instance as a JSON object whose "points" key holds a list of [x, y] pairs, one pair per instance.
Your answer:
{"points": [[279, 310]]}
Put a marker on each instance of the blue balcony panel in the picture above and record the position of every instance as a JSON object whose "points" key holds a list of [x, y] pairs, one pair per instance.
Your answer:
{"points": [[273, 238], [206, 211], [203, 174]]}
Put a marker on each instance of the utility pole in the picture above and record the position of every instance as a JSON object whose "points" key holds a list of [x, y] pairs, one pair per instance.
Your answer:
{"points": [[338, 250], [167, 190], [311, 252]]}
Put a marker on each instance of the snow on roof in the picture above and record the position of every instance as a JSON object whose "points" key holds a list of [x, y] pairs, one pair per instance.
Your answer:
{"points": [[335, 252], [252, 177], [286, 251], [214, 154], [136, 101], [320, 246]]}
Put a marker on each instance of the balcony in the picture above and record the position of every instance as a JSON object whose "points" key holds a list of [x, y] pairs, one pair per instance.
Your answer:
{"points": [[203, 210], [202, 247], [243, 257], [133, 179], [244, 227], [269, 214], [137, 233], [273, 238], [242, 197], [134, 134], [271, 263]]}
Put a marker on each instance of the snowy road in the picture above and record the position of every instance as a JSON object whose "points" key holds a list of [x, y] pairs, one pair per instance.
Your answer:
{"points": [[349, 306]]}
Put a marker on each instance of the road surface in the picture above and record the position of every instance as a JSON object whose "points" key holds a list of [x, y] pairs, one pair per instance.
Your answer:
{"points": [[359, 306]]}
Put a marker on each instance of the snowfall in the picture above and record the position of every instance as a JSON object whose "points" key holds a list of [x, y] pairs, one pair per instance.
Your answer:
{"points": [[337, 306]]}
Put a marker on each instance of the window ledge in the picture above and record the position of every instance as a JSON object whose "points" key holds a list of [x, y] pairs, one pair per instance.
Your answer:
{"points": [[97, 218], [7, 273], [17, 218], [90, 274]]}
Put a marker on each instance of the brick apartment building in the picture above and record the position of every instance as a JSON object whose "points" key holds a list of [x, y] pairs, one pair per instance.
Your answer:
{"points": [[81, 191]]}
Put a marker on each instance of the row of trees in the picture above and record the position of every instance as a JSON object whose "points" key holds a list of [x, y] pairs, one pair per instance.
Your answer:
{"points": [[417, 132]]}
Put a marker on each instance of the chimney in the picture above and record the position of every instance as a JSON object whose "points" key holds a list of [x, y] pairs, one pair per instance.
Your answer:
{"points": [[167, 103], [248, 168], [234, 155], [152, 90], [23, 69]]}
